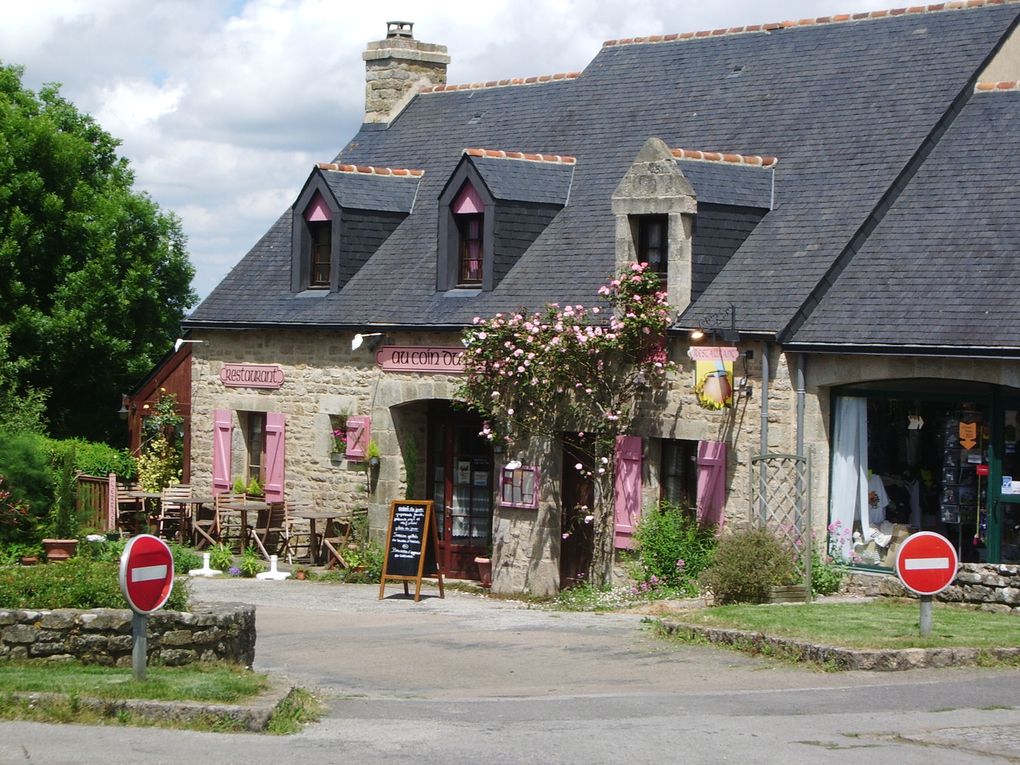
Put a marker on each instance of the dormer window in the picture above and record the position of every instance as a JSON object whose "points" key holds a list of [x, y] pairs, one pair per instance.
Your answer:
{"points": [[469, 214]]}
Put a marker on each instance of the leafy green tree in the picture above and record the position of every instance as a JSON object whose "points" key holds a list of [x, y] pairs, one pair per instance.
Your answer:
{"points": [[96, 278], [22, 409]]}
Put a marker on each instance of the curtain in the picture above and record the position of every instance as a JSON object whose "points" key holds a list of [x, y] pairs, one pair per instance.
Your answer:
{"points": [[849, 472]]}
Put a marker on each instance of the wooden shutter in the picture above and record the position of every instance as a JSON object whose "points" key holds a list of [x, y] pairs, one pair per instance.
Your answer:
{"points": [[275, 436], [222, 431], [359, 431], [711, 482], [628, 489]]}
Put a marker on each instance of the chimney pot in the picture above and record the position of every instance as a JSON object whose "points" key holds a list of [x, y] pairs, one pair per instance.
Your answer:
{"points": [[400, 29]]}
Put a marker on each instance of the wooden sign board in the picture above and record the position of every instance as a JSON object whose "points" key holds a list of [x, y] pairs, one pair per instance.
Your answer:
{"points": [[412, 546]]}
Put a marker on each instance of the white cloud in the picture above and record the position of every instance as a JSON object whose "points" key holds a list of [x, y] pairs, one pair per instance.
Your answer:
{"points": [[223, 106]]}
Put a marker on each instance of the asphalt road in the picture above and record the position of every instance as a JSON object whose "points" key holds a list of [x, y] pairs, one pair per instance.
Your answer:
{"points": [[467, 679]]}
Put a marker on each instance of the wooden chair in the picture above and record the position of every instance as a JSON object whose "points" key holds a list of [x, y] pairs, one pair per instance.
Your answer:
{"points": [[271, 531], [205, 526], [129, 511], [300, 545], [229, 518], [172, 518]]}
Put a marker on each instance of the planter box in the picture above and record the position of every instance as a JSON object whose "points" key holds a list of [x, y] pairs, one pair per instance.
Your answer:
{"points": [[790, 593]]}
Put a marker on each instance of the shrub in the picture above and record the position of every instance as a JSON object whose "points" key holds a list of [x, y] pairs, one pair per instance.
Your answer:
{"points": [[25, 463], [159, 465], [76, 583], [746, 566], [221, 557], [101, 459], [826, 573], [250, 563], [64, 522], [672, 547]]}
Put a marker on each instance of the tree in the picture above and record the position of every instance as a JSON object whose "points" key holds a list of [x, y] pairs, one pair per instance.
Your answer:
{"points": [[96, 278], [571, 370]]}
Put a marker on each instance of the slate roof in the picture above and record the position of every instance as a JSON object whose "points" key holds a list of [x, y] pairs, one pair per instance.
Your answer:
{"points": [[943, 266], [525, 180], [844, 106], [730, 184], [389, 192]]}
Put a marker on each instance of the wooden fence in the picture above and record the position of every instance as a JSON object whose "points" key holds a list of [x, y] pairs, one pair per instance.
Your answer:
{"points": [[96, 499]]}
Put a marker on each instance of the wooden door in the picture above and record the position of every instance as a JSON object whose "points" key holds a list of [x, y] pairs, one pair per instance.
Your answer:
{"points": [[577, 542]]}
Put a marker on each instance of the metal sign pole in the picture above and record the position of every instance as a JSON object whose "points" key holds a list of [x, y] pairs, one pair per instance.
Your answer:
{"points": [[925, 615], [140, 648]]}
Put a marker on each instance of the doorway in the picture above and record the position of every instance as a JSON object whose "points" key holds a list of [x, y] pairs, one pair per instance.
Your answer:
{"points": [[461, 487]]}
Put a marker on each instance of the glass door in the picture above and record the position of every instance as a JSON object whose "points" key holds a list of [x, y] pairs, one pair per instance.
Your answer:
{"points": [[461, 477], [1004, 529]]}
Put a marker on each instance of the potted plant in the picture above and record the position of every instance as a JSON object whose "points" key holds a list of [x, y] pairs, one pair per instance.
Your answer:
{"points": [[254, 488], [63, 515], [484, 563], [372, 455]]}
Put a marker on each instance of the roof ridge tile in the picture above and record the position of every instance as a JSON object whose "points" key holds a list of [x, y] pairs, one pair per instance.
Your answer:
{"points": [[985, 87], [561, 159], [370, 170], [539, 79], [839, 18], [727, 157]]}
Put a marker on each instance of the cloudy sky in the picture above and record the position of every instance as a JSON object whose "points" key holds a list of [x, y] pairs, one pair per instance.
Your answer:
{"points": [[223, 106]]}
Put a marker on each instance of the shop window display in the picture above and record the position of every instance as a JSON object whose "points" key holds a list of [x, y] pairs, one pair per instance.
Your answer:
{"points": [[904, 465]]}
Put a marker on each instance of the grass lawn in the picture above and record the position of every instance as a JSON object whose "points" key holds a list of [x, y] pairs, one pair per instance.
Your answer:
{"points": [[877, 624], [211, 683]]}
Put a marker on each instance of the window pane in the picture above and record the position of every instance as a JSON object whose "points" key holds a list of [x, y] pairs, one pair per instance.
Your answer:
{"points": [[471, 251], [321, 238]]}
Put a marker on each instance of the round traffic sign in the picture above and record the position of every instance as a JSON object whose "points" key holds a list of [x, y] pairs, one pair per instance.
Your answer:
{"points": [[926, 563], [146, 573]]}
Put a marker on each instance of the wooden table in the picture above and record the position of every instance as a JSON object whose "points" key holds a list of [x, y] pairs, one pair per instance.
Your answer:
{"points": [[144, 511], [242, 509], [324, 547]]}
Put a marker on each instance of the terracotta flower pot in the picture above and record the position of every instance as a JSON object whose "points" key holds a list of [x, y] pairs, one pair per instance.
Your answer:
{"points": [[59, 549], [484, 571]]}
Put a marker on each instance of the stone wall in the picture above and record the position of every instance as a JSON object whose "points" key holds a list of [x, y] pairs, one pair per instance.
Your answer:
{"points": [[990, 586], [103, 635]]}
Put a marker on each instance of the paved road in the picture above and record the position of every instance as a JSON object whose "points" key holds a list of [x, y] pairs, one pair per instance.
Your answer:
{"points": [[465, 678]]}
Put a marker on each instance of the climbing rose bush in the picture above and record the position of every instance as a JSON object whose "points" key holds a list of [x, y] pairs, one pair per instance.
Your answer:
{"points": [[571, 368]]}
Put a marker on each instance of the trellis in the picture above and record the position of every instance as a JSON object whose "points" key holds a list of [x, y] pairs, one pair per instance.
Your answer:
{"points": [[780, 495]]}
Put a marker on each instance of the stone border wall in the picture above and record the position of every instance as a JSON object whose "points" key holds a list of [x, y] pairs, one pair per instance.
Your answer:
{"points": [[225, 632], [990, 586]]}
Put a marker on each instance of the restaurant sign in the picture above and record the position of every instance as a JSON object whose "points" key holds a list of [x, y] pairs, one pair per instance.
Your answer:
{"points": [[405, 358], [251, 375]]}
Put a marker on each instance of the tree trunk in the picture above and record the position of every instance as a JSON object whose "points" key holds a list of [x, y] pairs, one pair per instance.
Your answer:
{"points": [[601, 572]]}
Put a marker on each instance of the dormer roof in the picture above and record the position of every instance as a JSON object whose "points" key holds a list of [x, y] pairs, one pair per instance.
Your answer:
{"points": [[385, 189], [524, 177], [725, 178]]}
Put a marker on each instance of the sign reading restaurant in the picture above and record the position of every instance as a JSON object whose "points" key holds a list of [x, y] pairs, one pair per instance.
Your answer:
{"points": [[409, 358], [251, 376]]}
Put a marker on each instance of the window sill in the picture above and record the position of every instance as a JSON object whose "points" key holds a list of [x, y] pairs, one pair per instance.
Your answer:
{"points": [[313, 292], [463, 292]]}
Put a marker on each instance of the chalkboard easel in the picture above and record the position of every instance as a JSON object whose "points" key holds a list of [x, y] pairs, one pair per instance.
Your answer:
{"points": [[412, 546]]}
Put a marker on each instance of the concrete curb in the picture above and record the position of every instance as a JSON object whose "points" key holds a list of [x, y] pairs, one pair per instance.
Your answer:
{"points": [[252, 716], [878, 660]]}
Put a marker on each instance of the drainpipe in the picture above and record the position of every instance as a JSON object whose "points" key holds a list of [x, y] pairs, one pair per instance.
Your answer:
{"points": [[801, 393], [763, 446], [803, 508]]}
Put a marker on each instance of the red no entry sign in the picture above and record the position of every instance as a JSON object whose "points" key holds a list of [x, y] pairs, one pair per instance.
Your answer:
{"points": [[146, 573], [926, 562]]}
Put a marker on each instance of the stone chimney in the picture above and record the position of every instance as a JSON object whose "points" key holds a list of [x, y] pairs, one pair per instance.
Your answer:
{"points": [[398, 67]]}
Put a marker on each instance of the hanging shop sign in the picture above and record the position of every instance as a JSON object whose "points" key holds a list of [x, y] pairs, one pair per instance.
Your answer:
{"points": [[251, 375], [713, 375], [405, 358]]}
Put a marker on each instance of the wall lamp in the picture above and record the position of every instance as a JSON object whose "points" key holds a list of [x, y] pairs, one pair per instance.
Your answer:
{"points": [[370, 340], [181, 341]]}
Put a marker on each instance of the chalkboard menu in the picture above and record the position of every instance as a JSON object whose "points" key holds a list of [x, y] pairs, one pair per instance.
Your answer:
{"points": [[412, 542]]}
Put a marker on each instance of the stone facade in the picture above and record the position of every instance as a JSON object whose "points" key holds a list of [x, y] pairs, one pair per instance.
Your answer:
{"points": [[103, 635], [990, 586]]}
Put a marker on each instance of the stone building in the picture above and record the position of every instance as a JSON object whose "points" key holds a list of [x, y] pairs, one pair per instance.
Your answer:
{"points": [[831, 203]]}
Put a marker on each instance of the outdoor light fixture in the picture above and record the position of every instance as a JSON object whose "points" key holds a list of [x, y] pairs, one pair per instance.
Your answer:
{"points": [[697, 334], [123, 412], [181, 341], [370, 340], [513, 465]]}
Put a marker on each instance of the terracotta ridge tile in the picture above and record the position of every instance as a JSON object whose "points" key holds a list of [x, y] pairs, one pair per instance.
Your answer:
{"points": [[984, 87], [370, 170], [538, 79], [728, 157], [839, 18], [560, 159]]}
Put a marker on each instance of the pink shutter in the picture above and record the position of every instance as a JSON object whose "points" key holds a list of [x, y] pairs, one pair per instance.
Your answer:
{"points": [[275, 436], [222, 427], [711, 482], [628, 489], [359, 431]]}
